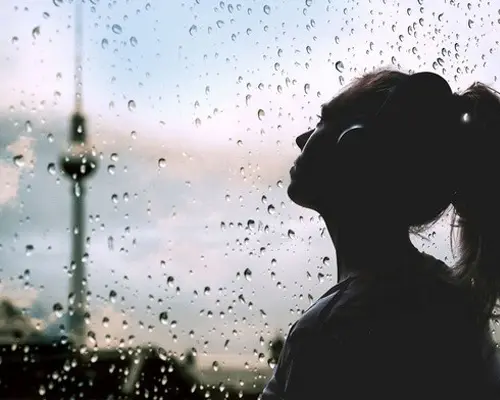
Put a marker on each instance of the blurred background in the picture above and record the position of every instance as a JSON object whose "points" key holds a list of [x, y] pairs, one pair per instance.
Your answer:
{"points": [[191, 246]]}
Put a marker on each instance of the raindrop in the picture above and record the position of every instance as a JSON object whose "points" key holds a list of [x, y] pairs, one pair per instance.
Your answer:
{"points": [[163, 317], [206, 291], [197, 122], [248, 274], [14, 39], [215, 366], [306, 88], [270, 209], [111, 169], [29, 249], [339, 66], [113, 157], [112, 296], [58, 309], [131, 105], [291, 234], [51, 168], [28, 127], [220, 23], [261, 114], [46, 15], [19, 160], [162, 163], [470, 23], [35, 32], [193, 30], [267, 9], [116, 29], [104, 43], [57, 3], [308, 3], [133, 41]]}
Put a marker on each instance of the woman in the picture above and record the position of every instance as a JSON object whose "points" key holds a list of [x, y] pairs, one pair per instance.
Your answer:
{"points": [[388, 157]]}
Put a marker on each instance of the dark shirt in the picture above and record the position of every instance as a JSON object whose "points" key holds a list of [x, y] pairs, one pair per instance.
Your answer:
{"points": [[406, 335]]}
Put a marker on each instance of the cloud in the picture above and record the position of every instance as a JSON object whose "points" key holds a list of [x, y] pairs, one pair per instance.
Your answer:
{"points": [[24, 159]]}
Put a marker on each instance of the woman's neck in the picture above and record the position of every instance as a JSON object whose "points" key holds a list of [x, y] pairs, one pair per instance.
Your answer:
{"points": [[369, 249]]}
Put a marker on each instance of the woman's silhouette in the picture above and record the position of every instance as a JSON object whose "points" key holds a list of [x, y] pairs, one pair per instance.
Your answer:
{"points": [[388, 156]]}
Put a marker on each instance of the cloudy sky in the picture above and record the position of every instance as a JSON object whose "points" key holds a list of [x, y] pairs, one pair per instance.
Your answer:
{"points": [[218, 90]]}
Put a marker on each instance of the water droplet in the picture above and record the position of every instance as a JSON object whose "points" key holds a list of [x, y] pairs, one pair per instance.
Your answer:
{"points": [[57, 3], [219, 23], [58, 309], [111, 169], [46, 15], [162, 163], [35, 32], [51, 168], [112, 296], [29, 249], [164, 317], [19, 160], [261, 114], [14, 39], [116, 29], [104, 43], [193, 30], [215, 366], [267, 9], [470, 23], [306, 88], [133, 41], [197, 122], [28, 127], [339, 66], [248, 274], [131, 105], [291, 234], [206, 291]]}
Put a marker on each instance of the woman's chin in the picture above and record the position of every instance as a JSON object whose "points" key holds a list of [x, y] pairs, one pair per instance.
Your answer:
{"points": [[299, 194]]}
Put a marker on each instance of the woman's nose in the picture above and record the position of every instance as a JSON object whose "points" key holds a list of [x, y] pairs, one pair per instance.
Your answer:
{"points": [[302, 139]]}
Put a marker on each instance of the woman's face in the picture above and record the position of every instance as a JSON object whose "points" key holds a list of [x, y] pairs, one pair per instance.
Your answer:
{"points": [[321, 176]]}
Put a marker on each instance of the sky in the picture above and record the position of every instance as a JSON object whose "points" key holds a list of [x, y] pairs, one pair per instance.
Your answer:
{"points": [[218, 90]]}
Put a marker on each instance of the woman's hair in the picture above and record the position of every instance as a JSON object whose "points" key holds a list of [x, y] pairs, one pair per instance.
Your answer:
{"points": [[462, 174], [477, 197]]}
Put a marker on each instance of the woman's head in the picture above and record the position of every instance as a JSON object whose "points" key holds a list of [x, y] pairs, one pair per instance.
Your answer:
{"points": [[414, 155], [385, 169]]}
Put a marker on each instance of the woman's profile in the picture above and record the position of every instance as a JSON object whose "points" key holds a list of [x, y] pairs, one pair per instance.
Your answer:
{"points": [[389, 155]]}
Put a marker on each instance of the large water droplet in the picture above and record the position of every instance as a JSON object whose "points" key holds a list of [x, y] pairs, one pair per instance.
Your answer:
{"points": [[215, 366], [261, 114], [29, 249], [131, 105], [28, 127], [291, 234], [116, 29], [112, 296], [162, 163], [193, 30], [248, 274], [133, 41], [339, 66], [58, 309], [51, 168], [35, 32], [164, 317], [104, 43], [267, 9], [19, 160]]}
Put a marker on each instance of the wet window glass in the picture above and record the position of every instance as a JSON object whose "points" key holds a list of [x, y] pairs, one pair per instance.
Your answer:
{"points": [[147, 236]]}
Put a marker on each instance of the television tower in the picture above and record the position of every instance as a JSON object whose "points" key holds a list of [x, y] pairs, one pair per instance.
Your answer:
{"points": [[78, 164]]}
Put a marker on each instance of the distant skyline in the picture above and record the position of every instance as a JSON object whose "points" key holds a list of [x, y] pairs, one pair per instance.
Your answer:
{"points": [[179, 63]]}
